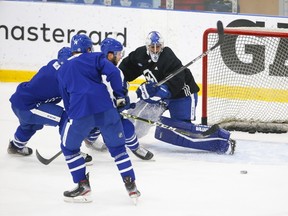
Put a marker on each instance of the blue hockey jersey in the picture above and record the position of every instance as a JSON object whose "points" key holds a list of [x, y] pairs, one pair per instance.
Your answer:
{"points": [[42, 88], [82, 84]]}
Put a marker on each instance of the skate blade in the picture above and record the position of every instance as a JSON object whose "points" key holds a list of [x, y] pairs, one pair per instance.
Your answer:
{"points": [[146, 161], [90, 163], [78, 199], [134, 200], [134, 197]]}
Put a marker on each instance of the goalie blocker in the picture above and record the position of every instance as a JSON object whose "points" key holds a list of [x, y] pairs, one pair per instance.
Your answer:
{"points": [[218, 141]]}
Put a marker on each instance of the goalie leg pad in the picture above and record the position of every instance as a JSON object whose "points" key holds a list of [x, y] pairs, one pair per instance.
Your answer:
{"points": [[146, 111], [216, 142]]}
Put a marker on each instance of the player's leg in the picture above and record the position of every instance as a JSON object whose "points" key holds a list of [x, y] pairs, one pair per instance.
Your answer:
{"points": [[213, 143], [24, 132], [72, 136], [93, 141], [183, 109], [113, 135], [30, 122], [132, 142], [183, 112], [218, 141]]}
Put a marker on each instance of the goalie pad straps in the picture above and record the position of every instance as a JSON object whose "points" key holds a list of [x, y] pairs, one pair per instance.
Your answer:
{"points": [[216, 142]]}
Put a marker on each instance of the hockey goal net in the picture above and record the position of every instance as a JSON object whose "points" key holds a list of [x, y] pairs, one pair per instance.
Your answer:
{"points": [[245, 80]]}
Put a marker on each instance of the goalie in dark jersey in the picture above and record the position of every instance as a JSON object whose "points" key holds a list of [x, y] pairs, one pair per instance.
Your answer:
{"points": [[179, 95]]}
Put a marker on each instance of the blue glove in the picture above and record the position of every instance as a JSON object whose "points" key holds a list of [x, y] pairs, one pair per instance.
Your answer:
{"points": [[146, 90], [123, 103], [163, 92], [151, 93]]}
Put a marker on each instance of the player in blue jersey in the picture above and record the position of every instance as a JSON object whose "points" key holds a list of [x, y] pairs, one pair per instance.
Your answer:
{"points": [[83, 82], [178, 94], [35, 105], [109, 46]]}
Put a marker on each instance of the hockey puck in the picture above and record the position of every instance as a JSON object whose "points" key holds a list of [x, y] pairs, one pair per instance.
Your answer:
{"points": [[243, 172]]}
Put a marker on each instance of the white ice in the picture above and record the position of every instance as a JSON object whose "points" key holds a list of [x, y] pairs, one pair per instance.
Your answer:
{"points": [[179, 181]]}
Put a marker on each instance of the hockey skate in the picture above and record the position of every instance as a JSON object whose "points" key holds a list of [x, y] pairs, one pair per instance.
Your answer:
{"points": [[143, 153], [232, 145], [80, 194], [12, 149], [132, 189], [88, 158]]}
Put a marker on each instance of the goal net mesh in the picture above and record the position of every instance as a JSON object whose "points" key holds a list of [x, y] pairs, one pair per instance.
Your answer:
{"points": [[246, 80]]}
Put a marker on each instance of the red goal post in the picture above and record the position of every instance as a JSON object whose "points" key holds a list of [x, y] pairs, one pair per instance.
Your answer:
{"points": [[245, 80]]}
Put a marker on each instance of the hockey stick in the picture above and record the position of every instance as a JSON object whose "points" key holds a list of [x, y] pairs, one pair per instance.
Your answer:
{"points": [[44, 160], [220, 31], [205, 134]]}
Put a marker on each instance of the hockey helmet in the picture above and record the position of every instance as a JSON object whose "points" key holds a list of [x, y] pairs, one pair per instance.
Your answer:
{"points": [[81, 43], [63, 54], [111, 45]]}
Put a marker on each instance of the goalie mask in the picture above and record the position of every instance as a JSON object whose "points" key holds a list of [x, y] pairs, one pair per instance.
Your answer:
{"points": [[154, 45]]}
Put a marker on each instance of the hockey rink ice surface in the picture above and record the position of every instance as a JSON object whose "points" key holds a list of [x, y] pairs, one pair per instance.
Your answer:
{"points": [[179, 181]]}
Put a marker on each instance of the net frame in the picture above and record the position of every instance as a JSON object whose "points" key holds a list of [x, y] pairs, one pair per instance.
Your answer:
{"points": [[248, 125]]}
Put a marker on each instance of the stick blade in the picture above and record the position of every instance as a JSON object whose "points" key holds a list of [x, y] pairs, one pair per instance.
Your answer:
{"points": [[220, 28], [44, 160], [41, 159]]}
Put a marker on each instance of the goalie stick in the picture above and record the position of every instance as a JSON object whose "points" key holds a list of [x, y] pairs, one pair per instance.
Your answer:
{"points": [[205, 134], [47, 161], [220, 31]]}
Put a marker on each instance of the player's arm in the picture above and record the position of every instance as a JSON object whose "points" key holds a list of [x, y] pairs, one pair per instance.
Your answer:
{"points": [[113, 76]]}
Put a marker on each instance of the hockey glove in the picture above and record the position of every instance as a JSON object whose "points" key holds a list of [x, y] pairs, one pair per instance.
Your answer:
{"points": [[163, 92], [151, 93], [146, 90], [123, 103]]}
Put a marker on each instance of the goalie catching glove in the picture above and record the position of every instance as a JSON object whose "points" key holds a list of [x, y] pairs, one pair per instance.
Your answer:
{"points": [[151, 93]]}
